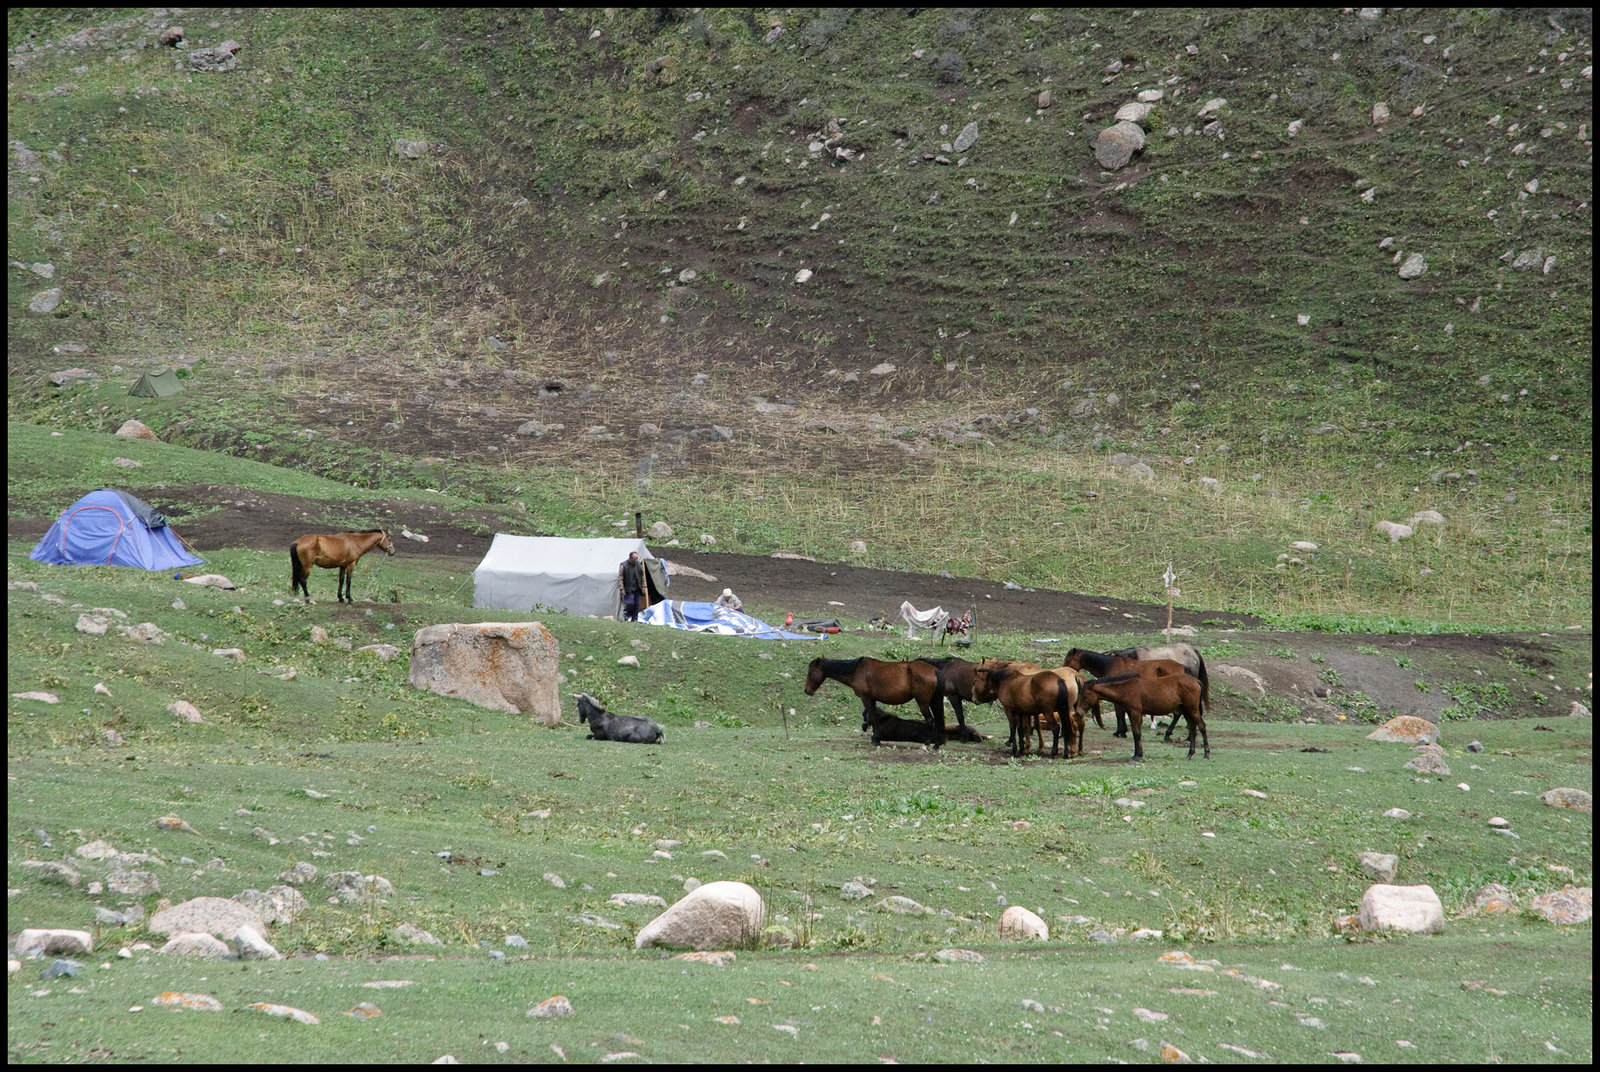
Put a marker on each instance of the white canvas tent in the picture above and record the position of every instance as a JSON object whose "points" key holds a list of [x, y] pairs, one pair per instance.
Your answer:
{"points": [[570, 576]]}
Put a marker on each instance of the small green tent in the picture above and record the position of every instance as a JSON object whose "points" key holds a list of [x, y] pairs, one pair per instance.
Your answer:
{"points": [[157, 384]]}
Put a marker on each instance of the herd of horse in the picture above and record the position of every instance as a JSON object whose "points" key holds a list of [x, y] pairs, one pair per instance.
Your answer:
{"points": [[1137, 682]]}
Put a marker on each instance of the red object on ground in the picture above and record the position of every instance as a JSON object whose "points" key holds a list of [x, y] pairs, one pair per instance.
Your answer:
{"points": [[789, 620]]}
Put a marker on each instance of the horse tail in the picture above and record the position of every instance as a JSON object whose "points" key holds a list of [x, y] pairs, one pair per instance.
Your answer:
{"points": [[1205, 682], [297, 572]]}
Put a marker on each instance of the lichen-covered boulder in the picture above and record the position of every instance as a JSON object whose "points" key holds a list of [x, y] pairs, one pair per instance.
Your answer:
{"points": [[504, 666]]}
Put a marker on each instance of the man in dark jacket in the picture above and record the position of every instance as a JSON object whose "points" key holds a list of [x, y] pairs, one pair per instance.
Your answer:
{"points": [[630, 577]]}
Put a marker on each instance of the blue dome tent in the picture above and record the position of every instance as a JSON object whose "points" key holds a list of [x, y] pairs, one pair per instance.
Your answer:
{"points": [[112, 528]]}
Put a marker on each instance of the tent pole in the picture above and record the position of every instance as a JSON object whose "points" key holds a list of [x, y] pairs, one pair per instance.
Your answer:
{"points": [[638, 524]]}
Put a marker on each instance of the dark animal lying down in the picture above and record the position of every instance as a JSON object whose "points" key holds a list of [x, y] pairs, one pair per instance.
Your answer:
{"points": [[887, 727], [604, 726]]}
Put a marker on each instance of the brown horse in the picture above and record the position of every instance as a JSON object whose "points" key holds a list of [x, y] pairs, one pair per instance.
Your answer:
{"points": [[875, 681], [1027, 697], [1073, 679], [339, 551], [1109, 663], [1154, 694]]}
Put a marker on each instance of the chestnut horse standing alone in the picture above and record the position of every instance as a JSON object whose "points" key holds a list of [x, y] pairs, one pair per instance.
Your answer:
{"points": [[339, 551]]}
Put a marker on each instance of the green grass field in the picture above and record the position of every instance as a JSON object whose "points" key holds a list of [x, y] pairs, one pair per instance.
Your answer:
{"points": [[687, 245], [797, 805]]}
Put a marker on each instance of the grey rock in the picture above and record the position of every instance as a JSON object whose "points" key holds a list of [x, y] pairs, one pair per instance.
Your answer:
{"points": [[1475, 746], [195, 944], [107, 917], [207, 915], [854, 891], [1117, 144], [59, 874], [411, 934], [63, 967], [46, 301], [1380, 865], [133, 883], [966, 139], [361, 887], [1414, 266], [410, 150]]}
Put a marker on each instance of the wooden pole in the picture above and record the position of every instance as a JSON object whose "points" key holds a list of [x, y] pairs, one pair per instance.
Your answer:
{"points": [[638, 524], [784, 714]]}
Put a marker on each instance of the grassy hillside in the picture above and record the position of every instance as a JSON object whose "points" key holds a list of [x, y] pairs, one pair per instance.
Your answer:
{"points": [[616, 201]]}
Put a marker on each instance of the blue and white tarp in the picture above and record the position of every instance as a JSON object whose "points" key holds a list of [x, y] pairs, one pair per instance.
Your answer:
{"points": [[710, 618]]}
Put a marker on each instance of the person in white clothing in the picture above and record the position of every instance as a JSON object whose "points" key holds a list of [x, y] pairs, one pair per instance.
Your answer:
{"points": [[728, 601]]}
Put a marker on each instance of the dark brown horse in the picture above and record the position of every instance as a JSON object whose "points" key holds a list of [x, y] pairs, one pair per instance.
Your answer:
{"points": [[1176, 658], [1154, 694], [955, 682], [875, 681], [1044, 697], [339, 551]]}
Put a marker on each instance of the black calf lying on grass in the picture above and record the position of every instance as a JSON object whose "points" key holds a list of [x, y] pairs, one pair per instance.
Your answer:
{"points": [[604, 726]]}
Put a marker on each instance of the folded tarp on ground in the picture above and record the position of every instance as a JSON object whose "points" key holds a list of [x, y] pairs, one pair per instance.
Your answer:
{"points": [[710, 618]]}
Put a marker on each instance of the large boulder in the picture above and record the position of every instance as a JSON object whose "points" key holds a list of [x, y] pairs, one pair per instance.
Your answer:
{"points": [[53, 940], [1402, 908], [504, 666], [1018, 922], [206, 915], [1567, 797], [1115, 145], [1570, 904], [714, 916]]}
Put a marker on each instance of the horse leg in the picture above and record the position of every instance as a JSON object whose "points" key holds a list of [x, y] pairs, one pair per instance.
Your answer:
{"points": [[955, 702], [1136, 724], [934, 727], [1122, 720]]}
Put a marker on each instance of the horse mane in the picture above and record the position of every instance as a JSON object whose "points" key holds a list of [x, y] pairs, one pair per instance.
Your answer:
{"points": [[841, 666], [1113, 680]]}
